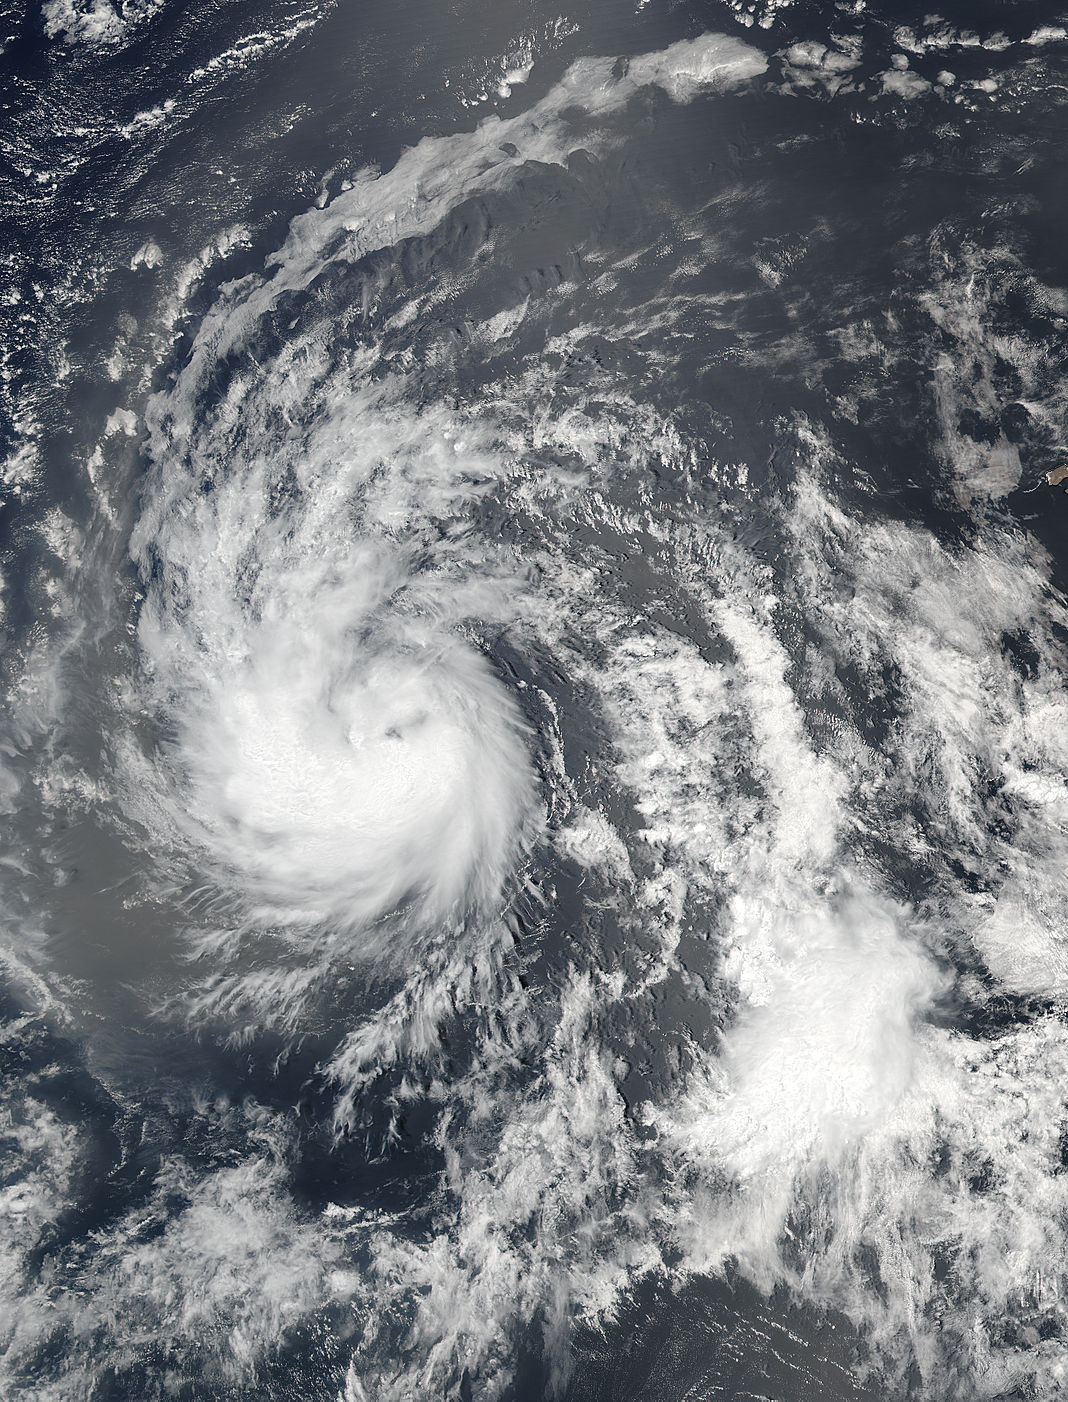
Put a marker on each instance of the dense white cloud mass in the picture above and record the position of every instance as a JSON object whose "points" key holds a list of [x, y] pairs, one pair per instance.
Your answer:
{"points": [[337, 747]]}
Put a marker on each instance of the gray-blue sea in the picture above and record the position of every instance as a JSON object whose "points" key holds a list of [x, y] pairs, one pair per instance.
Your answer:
{"points": [[532, 750]]}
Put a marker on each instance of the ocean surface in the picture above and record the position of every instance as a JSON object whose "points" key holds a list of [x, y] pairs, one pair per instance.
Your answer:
{"points": [[532, 759]]}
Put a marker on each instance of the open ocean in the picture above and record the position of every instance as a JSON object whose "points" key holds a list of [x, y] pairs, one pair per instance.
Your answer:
{"points": [[534, 714]]}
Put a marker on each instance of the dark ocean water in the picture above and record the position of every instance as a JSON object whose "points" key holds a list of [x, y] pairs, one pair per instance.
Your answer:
{"points": [[533, 702]]}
